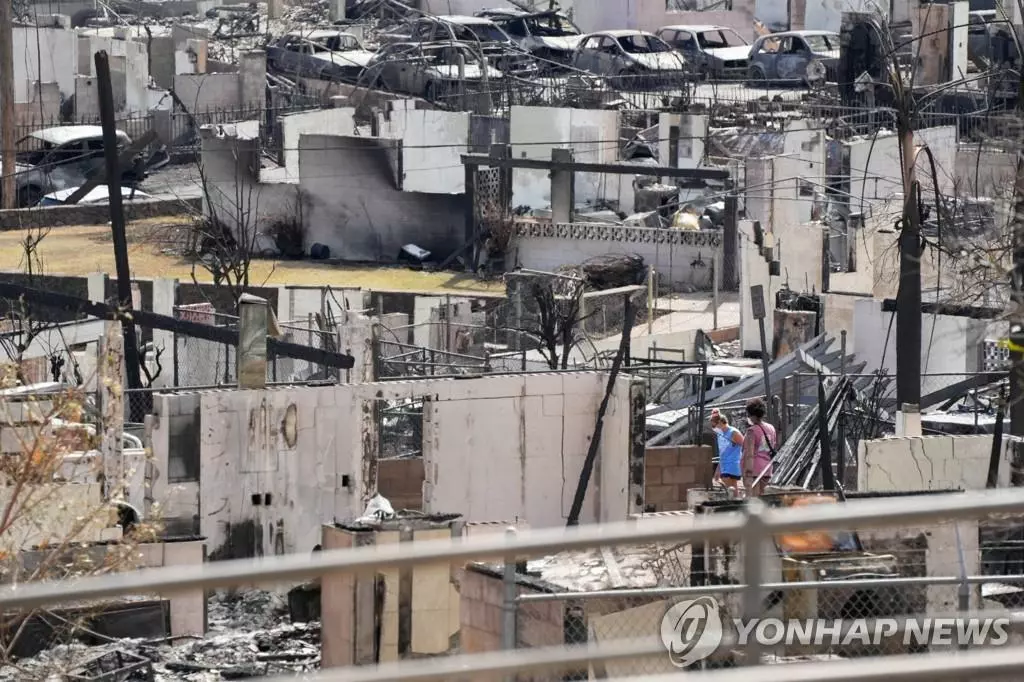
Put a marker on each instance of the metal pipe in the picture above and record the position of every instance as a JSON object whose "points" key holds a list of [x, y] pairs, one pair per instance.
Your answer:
{"points": [[699, 590]]}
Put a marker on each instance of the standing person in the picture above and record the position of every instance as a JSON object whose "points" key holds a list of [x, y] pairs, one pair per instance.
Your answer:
{"points": [[730, 452], [758, 449]]}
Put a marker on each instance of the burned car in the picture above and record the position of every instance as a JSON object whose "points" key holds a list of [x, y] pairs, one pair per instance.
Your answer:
{"points": [[631, 60], [549, 36], [52, 159], [807, 57], [325, 53], [479, 33], [433, 71], [712, 51]]}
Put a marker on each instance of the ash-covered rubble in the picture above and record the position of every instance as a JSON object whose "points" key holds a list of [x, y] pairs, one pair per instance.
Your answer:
{"points": [[250, 635]]}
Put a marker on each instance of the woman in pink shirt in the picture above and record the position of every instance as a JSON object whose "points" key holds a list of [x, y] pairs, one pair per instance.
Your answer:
{"points": [[758, 449]]}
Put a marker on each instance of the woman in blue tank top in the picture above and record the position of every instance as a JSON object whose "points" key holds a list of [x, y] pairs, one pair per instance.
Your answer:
{"points": [[730, 452]]}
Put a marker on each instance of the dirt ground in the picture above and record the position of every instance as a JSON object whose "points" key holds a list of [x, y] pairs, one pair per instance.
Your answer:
{"points": [[154, 251]]}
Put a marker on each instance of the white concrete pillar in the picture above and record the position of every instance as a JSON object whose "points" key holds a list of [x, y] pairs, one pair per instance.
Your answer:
{"points": [[165, 293], [336, 10], [252, 79], [563, 199], [908, 421], [422, 316], [253, 319], [97, 286]]}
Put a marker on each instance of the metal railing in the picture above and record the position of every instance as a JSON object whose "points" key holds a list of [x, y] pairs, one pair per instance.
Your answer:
{"points": [[752, 528]]}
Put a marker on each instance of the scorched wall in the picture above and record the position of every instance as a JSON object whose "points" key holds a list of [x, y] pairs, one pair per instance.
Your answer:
{"points": [[276, 464]]}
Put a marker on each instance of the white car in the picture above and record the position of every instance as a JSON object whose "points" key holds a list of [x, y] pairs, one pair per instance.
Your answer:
{"points": [[97, 195]]}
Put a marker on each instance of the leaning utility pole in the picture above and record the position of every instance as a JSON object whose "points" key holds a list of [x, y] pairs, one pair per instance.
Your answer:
{"points": [[117, 227], [8, 193]]}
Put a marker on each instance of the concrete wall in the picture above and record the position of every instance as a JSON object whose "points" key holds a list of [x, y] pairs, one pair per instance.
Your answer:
{"points": [[433, 143], [875, 167], [650, 15], [683, 259], [592, 134], [242, 89], [949, 344], [351, 203], [985, 172], [431, 606], [208, 91], [670, 472], [338, 121], [480, 598], [231, 161], [58, 51], [799, 252], [129, 66], [928, 463], [266, 489]]}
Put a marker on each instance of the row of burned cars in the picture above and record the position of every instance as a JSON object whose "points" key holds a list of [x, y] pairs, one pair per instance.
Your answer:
{"points": [[427, 55]]}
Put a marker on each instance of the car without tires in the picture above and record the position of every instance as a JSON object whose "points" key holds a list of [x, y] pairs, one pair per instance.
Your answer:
{"points": [[714, 52], [807, 57], [631, 60], [326, 54]]}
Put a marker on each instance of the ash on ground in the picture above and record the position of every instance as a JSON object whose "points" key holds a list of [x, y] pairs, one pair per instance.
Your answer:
{"points": [[250, 635]]}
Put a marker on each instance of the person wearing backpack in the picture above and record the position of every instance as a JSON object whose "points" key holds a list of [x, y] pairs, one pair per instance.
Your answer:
{"points": [[758, 450]]}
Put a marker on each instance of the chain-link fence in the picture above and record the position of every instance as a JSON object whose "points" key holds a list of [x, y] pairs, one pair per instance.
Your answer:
{"points": [[823, 594]]}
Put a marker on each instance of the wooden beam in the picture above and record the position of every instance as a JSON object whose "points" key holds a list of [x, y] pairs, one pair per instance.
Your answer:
{"points": [[154, 321]]}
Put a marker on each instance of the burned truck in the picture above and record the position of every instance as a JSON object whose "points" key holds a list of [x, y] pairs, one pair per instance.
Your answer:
{"points": [[806, 558]]}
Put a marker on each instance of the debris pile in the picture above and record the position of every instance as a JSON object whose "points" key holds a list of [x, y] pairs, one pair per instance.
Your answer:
{"points": [[249, 636]]}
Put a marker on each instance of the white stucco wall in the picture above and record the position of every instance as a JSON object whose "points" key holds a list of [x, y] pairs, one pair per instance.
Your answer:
{"points": [[949, 345], [496, 447], [339, 121], [127, 56], [433, 143], [928, 463], [54, 59], [774, 198], [683, 260], [875, 166], [592, 134]]}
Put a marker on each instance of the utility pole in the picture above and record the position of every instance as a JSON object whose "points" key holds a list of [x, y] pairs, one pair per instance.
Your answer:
{"points": [[908, 297], [8, 193], [117, 227]]}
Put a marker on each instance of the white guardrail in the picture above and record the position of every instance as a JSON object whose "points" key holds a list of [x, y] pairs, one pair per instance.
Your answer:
{"points": [[751, 527]]}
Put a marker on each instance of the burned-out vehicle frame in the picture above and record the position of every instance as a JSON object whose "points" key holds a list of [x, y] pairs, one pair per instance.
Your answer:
{"points": [[794, 57], [436, 72]]}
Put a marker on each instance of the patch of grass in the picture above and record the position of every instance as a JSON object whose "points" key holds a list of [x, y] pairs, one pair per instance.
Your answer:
{"points": [[152, 253]]}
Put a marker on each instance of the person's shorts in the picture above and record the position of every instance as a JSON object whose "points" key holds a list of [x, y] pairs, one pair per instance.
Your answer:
{"points": [[728, 477]]}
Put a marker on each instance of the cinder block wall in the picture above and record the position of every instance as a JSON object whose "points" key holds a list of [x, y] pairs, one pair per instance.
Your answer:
{"points": [[671, 471], [539, 624]]}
